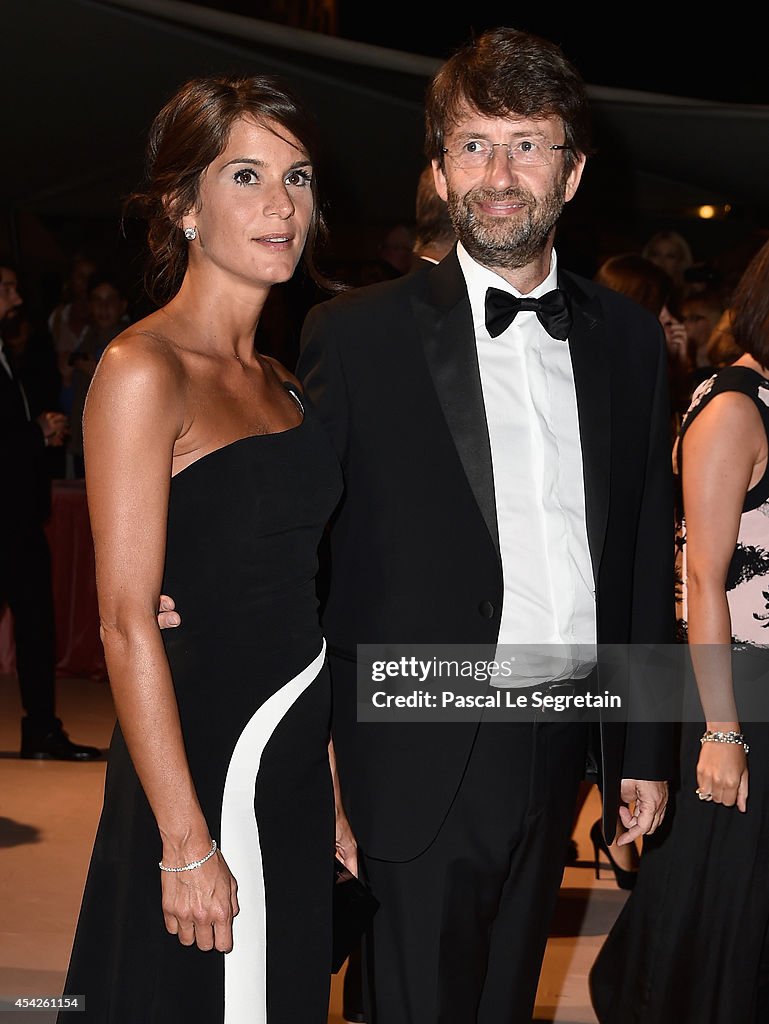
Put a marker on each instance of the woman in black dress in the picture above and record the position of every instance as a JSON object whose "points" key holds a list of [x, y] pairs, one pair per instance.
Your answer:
{"points": [[208, 897], [691, 944]]}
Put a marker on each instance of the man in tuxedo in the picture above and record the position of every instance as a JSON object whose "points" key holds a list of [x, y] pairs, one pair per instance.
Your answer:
{"points": [[25, 560], [507, 481]]}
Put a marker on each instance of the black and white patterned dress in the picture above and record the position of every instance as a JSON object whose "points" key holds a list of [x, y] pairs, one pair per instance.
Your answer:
{"points": [[747, 581], [691, 944]]}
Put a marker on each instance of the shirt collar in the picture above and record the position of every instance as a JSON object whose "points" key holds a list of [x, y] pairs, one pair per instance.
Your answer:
{"points": [[478, 279]]}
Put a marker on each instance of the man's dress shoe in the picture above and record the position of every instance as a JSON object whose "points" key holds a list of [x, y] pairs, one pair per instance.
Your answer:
{"points": [[54, 745]]}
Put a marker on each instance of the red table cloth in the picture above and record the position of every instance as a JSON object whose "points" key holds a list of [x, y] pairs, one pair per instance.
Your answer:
{"points": [[79, 651]]}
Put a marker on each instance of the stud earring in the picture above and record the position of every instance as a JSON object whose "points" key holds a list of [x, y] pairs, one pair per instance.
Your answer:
{"points": [[190, 233]]}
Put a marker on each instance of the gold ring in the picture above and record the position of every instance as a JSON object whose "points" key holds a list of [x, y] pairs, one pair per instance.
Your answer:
{"points": [[703, 796]]}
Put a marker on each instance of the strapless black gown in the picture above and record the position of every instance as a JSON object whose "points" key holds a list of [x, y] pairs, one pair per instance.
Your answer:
{"points": [[252, 687]]}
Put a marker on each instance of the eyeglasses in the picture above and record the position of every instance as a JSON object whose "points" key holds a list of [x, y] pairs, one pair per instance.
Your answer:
{"points": [[477, 153]]}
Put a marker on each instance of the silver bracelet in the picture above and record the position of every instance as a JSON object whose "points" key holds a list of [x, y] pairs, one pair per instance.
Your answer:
{"points": [[192, 864], [724, 737]]}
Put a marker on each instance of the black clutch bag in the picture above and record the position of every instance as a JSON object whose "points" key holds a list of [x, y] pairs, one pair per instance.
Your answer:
{"points": [[354, 905]]}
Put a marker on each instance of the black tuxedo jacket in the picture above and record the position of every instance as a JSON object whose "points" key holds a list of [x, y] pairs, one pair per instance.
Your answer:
{"points": [[24, 475], [414, 552]]}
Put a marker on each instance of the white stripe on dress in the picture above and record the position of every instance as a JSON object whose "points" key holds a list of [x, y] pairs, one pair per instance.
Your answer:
{"points": [[245, 968]]}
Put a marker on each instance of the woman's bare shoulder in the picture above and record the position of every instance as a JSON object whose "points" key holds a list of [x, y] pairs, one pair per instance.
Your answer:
{"points": [[728, 413], [139, 379], [141, 353], [728, 431]]}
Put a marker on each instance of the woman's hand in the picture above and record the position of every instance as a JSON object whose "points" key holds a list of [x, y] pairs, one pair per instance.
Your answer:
{"points": [[345, 845], [675, 336], [722, 770], [199, 905]]}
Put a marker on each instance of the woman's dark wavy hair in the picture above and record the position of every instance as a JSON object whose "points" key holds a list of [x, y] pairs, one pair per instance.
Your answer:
{"points": [[508, 73], [187, 135], [750, 308]]}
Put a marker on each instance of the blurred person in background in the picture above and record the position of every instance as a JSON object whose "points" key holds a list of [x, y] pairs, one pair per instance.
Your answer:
{"points": [[395, 249], [25, 559], [393, 257], [722, 347], [108, 316], [651, 286], [30, 351], [434, 232], [671, 251], [701, 312], [69, 319]]}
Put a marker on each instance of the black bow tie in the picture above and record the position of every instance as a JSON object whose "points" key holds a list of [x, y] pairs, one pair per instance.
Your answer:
{"points": [[552, 311]]}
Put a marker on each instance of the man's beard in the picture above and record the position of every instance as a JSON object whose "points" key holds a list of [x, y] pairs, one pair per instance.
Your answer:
{"points": [[506, 242]]}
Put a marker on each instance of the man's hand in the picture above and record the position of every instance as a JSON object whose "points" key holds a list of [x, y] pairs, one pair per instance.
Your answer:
{"points": [[168, 617], [54, 426], [650, 800]]}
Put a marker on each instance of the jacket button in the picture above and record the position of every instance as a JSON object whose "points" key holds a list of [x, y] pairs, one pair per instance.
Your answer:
{"points": [[486, 608]]}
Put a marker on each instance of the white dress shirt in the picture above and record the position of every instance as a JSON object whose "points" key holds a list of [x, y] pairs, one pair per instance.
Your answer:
{"points": [[548, 610]]}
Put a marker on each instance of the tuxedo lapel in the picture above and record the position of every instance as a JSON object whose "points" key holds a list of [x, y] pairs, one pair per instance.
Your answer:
{"points": [[444, 318], [445, 323], [590, 358], [12, 393]]}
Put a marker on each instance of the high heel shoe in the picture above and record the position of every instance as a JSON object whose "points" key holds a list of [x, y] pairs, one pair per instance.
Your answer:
{"points": [[625, 879]]}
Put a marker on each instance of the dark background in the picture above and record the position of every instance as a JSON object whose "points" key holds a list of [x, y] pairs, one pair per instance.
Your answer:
{"points": [[712, 53], [82, 79]]}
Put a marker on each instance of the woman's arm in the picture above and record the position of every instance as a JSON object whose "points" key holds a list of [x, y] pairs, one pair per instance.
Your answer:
{"points": [[133, 415], [722, 448]]}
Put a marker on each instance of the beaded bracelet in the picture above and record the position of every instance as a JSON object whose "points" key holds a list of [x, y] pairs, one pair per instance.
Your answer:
{"points": [[724, 737], [192, 864]]}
